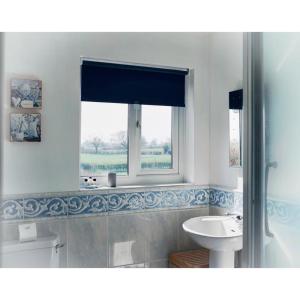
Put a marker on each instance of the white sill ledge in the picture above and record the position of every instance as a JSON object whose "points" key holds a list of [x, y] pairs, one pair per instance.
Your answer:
{"points": [[139, 188], [106, 190], [118, 189]]}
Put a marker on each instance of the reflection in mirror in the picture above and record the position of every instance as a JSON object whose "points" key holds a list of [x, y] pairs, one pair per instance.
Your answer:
{"points": [[234, 138], [235, 128]]}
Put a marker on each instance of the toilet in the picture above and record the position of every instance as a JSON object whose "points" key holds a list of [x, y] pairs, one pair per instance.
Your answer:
{"points": [[41, 253]]}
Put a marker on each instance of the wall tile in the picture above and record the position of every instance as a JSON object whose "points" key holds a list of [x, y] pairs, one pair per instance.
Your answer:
{"points": [[140, 239], [221, 198], [153, 200], [9, 231], [59, 228], [161, 234], [169, 199], [135, 201], [45, 207], [163, 263], [102, 203], [88, 204], [126, 239], [218, 211], [87, 242], [185, 198], [125, 202], [238, 202], [201, 197], [184, 241], [142, 265], [12, 209]]}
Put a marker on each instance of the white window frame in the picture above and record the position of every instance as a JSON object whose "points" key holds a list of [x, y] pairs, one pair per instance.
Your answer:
{"points": [[174, 144], [138, 176]]}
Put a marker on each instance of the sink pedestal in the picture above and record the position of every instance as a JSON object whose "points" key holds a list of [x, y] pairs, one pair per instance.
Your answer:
{"points": [[221, 259]]}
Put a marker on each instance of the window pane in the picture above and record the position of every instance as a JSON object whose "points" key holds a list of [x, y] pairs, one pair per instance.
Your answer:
{"points": [[156, 146], [104, 142], [234, 138]]}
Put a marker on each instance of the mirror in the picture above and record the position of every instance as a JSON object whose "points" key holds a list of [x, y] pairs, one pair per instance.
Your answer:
{"points": [[235, 128]]}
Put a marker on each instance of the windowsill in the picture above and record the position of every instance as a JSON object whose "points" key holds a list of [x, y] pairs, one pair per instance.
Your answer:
{"points": [[138, 187]]}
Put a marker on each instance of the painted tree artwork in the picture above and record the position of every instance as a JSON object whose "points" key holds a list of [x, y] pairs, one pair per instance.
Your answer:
{"points": [[25, 127], [26, 93]]}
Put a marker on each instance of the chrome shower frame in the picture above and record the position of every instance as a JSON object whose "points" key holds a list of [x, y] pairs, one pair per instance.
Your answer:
{"points": [[253, 152]]}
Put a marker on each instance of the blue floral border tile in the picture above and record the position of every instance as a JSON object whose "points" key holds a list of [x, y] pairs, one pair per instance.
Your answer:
{"points": [[109, 203], [88, 204], [12, 209], [169, 199], [135, 201], [221, 198], [201, 197], [185, 198], [153, 200], [125, 202], [45, 207]]}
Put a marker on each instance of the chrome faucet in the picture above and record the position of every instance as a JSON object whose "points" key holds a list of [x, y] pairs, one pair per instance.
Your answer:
{"points": [[234, 214]]}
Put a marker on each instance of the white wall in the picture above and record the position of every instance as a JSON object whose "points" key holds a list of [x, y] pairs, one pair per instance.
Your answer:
{"points": [[1, 113], [226, 74], [53, 164]]}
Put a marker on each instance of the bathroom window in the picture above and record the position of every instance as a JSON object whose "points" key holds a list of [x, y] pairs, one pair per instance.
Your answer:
{"points": [[104, 139], [130, 122], [157, 139], [131, 140]]}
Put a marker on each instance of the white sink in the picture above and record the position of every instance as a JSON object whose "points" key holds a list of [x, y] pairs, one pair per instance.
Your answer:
{"points": [[222, 235]]}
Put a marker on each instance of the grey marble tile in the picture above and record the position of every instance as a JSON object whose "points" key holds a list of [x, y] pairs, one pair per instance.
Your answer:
{"points": [[163, 263], [59, 228], [218, 211], [161, 234], [141, 265], [9, 231], [87, 242], [184, 241], [126, 239]]}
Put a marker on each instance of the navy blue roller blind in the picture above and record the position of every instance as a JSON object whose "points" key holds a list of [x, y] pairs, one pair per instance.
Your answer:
{"points": [[236, 99], [132, 84]]}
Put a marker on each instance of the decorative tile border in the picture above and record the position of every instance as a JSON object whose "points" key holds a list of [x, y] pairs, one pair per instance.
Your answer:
{"points": [[12, 209], [45, 207], [283, 212], [201, 197], [226, 199], [221, 198], [103, 202], [87, 204], [124, 202]]}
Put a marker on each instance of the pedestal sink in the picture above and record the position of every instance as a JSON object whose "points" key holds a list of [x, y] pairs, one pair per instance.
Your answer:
{"points": [[222, 235]]}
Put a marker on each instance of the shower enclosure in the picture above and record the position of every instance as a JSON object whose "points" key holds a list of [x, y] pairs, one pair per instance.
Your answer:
{"points": [[271, 150]]}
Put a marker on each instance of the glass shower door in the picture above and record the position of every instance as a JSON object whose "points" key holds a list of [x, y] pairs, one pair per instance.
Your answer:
{"points": [[281, 93], [275, 219]]}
